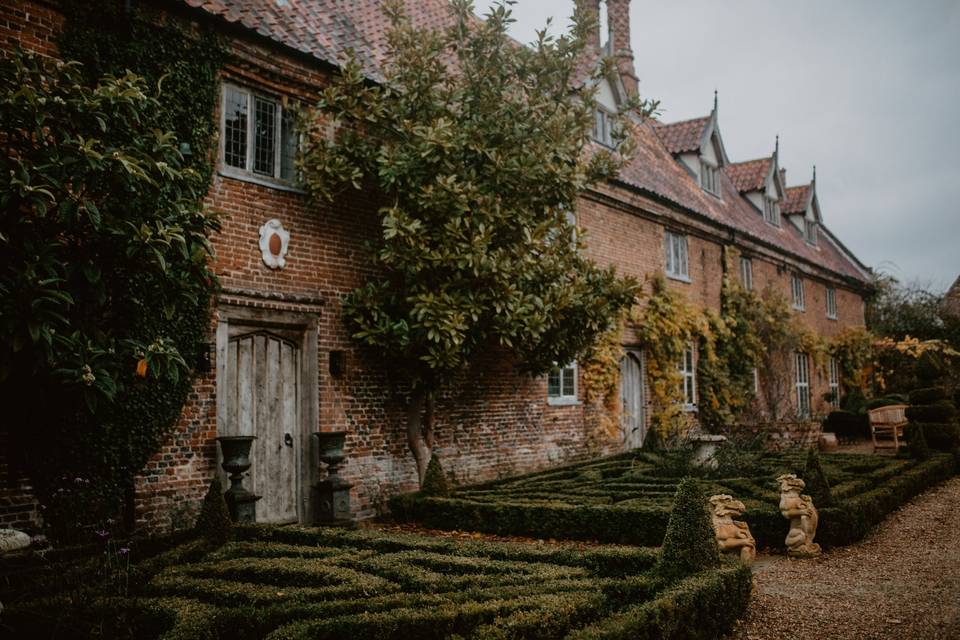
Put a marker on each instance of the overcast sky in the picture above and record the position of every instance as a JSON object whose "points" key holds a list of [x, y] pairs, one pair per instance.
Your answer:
{"points": [[867, 90]]}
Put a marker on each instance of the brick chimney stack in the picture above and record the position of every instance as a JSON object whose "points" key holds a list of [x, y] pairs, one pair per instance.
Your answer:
{"points": [[618, 12], [591, 9]]}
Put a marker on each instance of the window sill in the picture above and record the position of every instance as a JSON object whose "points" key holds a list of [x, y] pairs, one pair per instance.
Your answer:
{"points": [[263, 181], [679, 278], [566, 401], [800, 309], [834, 318], [690, 408]]}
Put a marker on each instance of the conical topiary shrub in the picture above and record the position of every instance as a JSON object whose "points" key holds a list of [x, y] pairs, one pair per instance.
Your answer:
{"points": [[435, 480], [213, 523], [917, 442], [817, 484], [690, 544]]}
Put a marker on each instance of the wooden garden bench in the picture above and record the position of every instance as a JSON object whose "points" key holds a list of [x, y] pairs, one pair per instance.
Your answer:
{"points": [[886, 426]]}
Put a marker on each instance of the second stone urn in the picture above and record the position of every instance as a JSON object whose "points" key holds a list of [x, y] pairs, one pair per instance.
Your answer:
{"points": [[236, 460], [333, 492]]}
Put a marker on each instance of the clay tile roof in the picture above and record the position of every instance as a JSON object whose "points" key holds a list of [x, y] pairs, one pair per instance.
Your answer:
{"points": [[654, 170], [680, 137], [749, 175], [327, 29], [951, 299], [796, 200]]}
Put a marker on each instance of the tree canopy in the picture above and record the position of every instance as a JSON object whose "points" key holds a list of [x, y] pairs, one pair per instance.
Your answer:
{"points": [[478, 148]]}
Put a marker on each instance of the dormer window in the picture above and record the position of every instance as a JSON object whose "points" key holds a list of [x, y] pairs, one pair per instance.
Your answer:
{"points": [[771, 211], [603, 128], [709, 178], [810, 232]]}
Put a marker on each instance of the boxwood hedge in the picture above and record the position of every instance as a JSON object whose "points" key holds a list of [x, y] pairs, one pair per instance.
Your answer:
{"points": [[294, 583], [627, 498]]}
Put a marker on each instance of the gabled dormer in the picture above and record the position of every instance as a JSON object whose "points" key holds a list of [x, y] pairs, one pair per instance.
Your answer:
{"points": [[803, 209], [610, 94], [698, 146], [761, 183], [609, 39]]}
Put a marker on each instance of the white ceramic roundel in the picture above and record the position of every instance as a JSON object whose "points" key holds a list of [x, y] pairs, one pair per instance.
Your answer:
{"points": [[274, 240]]}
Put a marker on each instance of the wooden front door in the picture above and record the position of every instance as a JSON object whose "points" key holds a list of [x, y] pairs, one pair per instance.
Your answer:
{"points": [[632, 421], [263, 387]]}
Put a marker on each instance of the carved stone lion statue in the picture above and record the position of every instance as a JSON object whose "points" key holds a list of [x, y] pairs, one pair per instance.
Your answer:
{"points": [[733, 536], [802, 514]]}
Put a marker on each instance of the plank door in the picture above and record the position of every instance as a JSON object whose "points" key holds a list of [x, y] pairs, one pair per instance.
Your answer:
{"points": [[263, 389], [632, 421]]}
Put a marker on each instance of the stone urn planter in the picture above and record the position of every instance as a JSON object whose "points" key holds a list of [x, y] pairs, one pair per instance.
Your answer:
{"points": [[333, 492], [705, 447], [236, 460]]}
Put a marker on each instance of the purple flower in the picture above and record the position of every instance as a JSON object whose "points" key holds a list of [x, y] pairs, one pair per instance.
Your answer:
{"points": [[122, 551], [103, 534]]}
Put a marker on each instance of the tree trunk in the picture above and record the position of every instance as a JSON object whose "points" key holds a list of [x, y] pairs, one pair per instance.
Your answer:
{"points": [[419, 441]]}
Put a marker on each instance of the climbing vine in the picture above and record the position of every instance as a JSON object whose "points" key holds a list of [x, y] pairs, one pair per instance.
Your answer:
{"points": [[855, 349], [601, 381], [109, 245], [666, 326]]}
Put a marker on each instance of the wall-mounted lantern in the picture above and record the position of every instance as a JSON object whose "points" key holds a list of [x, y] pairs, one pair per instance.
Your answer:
{"points": [[338, 363]]}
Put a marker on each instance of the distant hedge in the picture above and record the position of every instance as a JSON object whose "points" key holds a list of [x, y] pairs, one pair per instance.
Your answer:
{"points": [[624, 500]]}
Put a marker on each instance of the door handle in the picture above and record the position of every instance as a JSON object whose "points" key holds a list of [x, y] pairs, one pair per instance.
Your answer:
{"points": [[288, 439]]}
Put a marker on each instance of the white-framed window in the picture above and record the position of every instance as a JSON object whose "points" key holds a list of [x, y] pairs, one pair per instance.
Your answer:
{"points": [[746, 272], [258, 137], [796, 288], [771, 211], [833, 381], [810, 232], [689, 374], [831, 303], [562, 384], [709, 178], [756, 381], [677, 263], [802, 371], [603, 127]]}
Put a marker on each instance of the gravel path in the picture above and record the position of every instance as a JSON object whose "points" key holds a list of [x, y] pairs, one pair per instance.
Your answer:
{"points": [[902, 581]]}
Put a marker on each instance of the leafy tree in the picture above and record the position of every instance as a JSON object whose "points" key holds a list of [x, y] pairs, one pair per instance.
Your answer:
{"points": [[479, 148], [898, 310], [103, 256]]}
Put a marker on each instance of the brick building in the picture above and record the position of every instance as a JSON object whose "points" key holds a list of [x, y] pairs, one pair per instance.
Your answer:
{"points": [[673, 210]]}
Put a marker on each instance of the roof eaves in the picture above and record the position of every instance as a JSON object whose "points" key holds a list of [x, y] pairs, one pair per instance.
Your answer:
{"points": [[734, 232]]}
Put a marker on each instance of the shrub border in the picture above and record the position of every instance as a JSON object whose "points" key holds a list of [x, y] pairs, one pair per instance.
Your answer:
{"points": [[840, 525]]}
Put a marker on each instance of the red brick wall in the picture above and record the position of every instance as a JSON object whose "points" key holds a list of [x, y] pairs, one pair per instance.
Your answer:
{"points": [[31, 26], [491, 423]]}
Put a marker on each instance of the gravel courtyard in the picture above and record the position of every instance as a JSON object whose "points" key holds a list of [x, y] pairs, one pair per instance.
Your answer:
{"points": [[903, 581]]}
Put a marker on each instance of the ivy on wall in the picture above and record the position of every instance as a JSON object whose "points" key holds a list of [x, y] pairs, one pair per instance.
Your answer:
{"points": [[144, 95], [601, 384], [666, 326]]}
